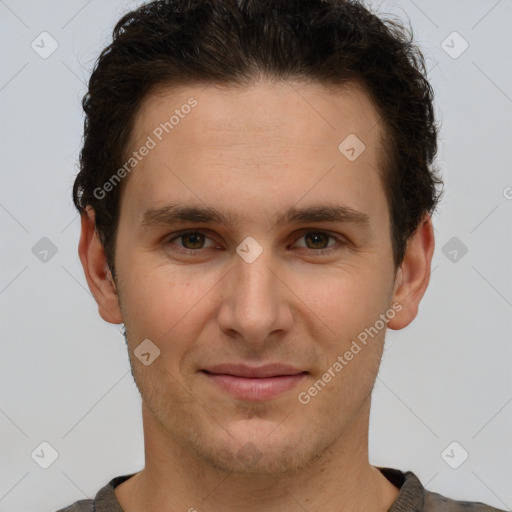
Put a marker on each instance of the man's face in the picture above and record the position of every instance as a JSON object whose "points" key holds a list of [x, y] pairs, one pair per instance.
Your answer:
{"points": [[253, 154]]}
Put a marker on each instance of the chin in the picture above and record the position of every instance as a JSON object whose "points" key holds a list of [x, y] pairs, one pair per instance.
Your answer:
{"points": [[250, 459], [262, 452]]}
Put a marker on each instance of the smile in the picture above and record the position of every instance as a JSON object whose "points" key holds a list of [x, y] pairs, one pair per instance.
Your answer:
{"points": [[257, 384]]}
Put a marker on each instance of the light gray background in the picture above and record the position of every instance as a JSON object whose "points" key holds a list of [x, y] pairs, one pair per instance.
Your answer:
{"points": [[64, 372]]}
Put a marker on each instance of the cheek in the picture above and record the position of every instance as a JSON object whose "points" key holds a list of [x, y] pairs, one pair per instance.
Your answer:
{"points": [[346, 299], [163, 302]]}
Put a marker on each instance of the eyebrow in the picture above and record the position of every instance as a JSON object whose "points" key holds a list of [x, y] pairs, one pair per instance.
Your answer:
{"points": [[174, 214]]}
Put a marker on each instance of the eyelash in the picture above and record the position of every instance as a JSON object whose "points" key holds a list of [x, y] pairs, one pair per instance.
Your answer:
{"points": [[340, 241]]}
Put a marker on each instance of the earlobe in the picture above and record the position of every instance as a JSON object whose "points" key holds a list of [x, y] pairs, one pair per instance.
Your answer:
{"points": [[413, 276], [98, 275]]}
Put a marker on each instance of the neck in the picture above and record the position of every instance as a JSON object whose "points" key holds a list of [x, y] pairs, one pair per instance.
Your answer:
{"points": [[340, 479]]}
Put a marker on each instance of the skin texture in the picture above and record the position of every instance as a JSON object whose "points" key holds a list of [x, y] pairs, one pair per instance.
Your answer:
{"points": [[255, 152]]}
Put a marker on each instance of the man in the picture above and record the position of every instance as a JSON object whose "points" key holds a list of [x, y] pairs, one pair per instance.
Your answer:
{"points": [[256, 191]]}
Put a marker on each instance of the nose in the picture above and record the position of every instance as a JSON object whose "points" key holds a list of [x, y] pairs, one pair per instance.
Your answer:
{"points": [[255, 301]]}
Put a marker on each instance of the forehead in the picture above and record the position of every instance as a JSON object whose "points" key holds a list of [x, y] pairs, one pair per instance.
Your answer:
{"points": [[286, 140], [264, 108]]}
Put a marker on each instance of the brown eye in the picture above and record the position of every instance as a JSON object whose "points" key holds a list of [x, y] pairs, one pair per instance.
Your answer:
{"points": [[192, 240], [317, 240]]}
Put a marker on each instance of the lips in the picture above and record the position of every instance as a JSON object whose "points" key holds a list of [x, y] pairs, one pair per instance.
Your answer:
{"points": [[254, 383], [240, 370]]}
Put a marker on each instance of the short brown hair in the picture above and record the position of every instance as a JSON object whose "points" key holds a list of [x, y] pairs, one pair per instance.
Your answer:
{"points": [[331, 42]]}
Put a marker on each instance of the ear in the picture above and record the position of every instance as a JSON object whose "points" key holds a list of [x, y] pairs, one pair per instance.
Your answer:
{"points": [[413, 276], [98, 275]]}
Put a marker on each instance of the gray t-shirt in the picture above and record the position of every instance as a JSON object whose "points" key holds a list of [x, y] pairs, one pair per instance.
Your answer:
{"points": [[413, 497]]}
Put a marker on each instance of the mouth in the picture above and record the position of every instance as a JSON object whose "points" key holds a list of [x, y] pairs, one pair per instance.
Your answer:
{"points": [[254, 383]]}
